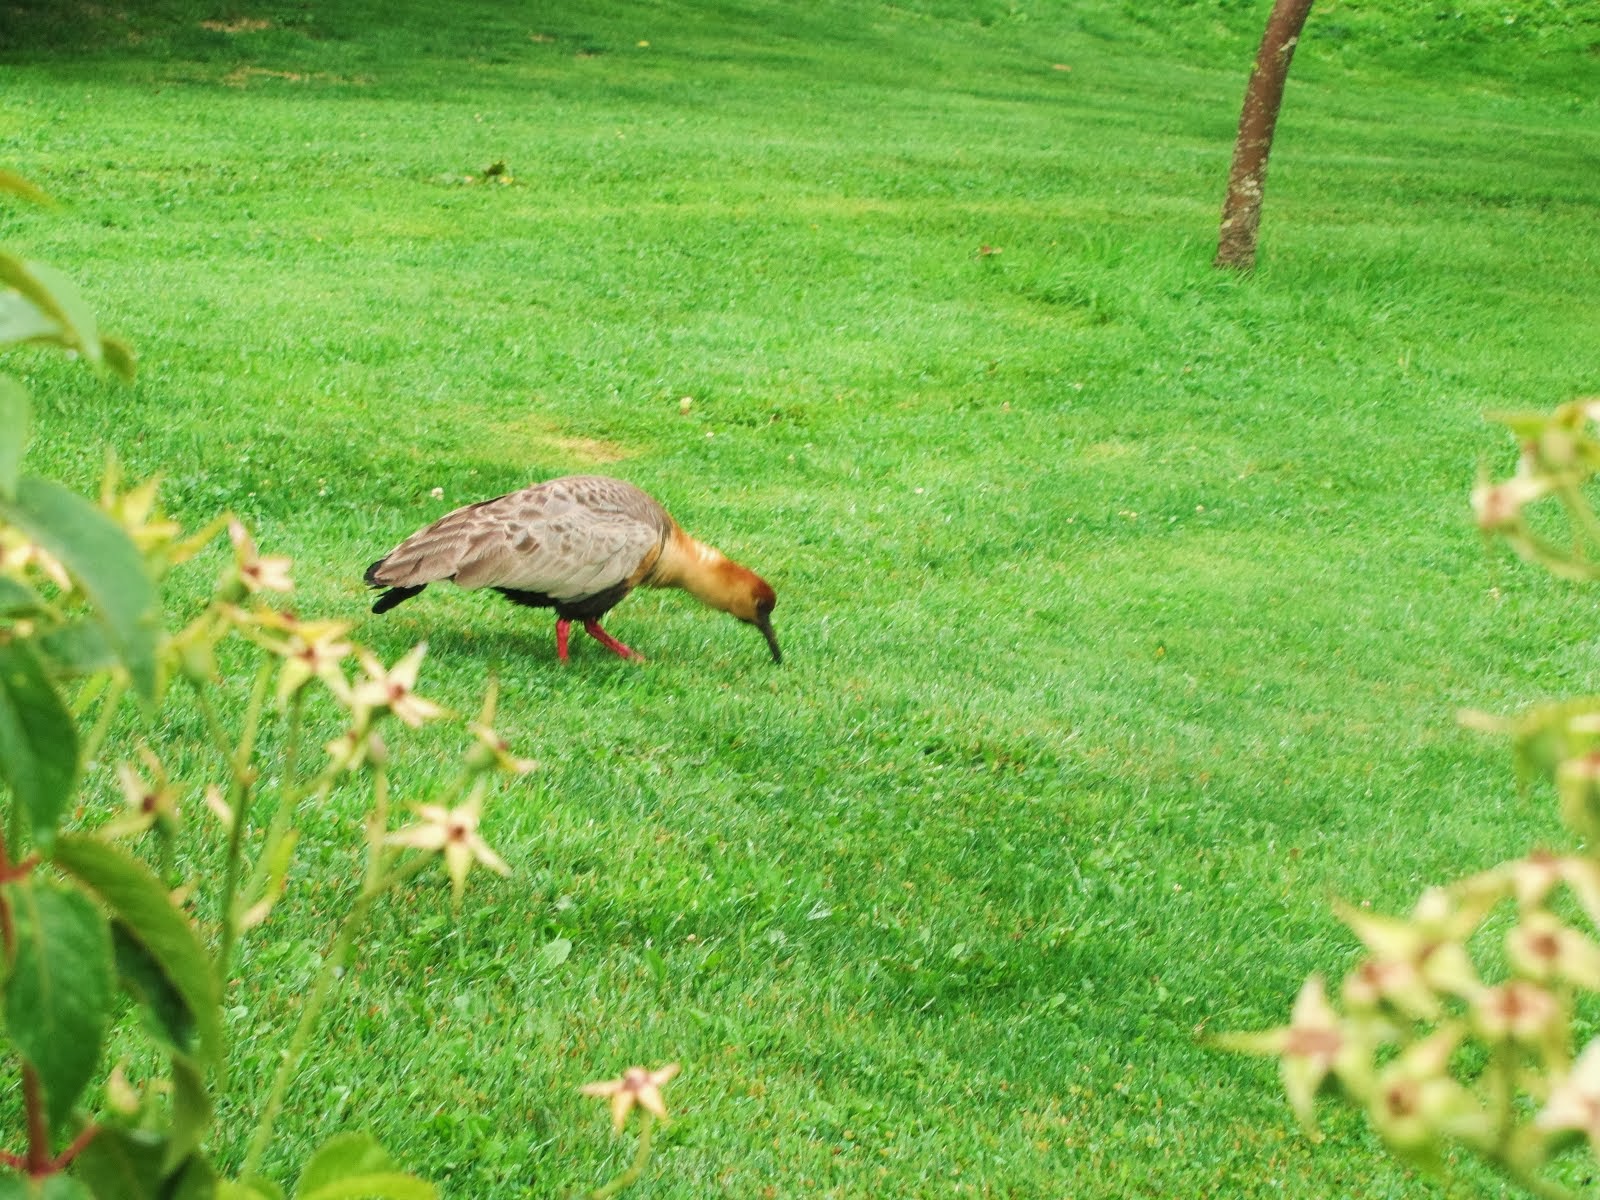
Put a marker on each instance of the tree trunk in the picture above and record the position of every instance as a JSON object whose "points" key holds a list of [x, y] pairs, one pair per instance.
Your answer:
{"points": [[1241, 211]]}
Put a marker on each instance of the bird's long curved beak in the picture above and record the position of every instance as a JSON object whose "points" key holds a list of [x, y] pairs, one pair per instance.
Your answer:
{"points": [[764, 623]]}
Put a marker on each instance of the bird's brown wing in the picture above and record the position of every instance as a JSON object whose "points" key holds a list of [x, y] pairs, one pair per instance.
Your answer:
{"points": [[567, 539]]}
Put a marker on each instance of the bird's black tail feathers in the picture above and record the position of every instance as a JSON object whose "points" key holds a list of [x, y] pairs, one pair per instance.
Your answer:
{"points": [[395, 595]]}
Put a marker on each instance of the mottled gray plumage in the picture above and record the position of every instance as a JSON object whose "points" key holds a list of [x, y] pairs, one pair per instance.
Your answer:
{"points": [[567, 539], [577, 545]]}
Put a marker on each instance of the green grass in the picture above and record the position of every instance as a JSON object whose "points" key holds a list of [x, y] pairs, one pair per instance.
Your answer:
{"points": [[1126, 605]]}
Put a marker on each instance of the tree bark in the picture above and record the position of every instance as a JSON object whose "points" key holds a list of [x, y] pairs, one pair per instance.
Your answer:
{"points": [[1241, 211]]}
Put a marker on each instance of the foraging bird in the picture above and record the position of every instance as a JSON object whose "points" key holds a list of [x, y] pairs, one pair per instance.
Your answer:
{"points": [[577, 545]]}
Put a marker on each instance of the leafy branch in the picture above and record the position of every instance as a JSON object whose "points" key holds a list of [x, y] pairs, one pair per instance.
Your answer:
{"points": [[1456, 1029]]}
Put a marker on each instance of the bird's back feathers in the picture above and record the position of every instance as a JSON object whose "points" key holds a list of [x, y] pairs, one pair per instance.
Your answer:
{"points": [[567, 539]]}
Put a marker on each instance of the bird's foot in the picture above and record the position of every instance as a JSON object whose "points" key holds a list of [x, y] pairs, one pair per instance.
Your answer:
{"points": [[563, 631], [592, 628]]}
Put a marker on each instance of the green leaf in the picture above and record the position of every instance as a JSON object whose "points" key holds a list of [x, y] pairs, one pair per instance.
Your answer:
{"points": [[166, 1014], [80, 648], [21, 320], [342, 1155], [104, 561], [387, 1185], [11, 182], [191, 1110], [50, 1187], [59, 992], [250, 1189], [38, 741], [58, 298], [122, 1163], [17, 599], [15, 410], [657, 964], [553, 953], [126, 1165], [353, 1166], [135, 896], [195, 1179], [120, 357]]}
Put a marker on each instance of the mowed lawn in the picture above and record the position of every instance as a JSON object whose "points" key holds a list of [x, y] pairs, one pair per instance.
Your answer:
{"points": [[1126, 605]]}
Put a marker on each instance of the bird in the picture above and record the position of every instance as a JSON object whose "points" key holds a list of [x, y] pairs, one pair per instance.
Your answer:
{"points": [[577, 544]]}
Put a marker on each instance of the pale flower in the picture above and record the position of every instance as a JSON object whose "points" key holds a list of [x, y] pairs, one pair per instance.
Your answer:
{"points": [[636, 1087], [1415, 1101], [135, 511], [258, 573], [121, 1096], [1412, 961], [1315, 1043], [1575, 1101], [192, 651], [356, 747], [220, 808], [1532, 878], [492, 749], [499, 751], [17, 554], [1523, 1012], [390, 690], [312, 651], [1578, 790], [152, 802], [452, 832], [1500, 505], [1542, 948]]}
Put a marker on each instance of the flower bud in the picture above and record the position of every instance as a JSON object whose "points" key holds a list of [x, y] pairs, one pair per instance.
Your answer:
{"points": [[1499, 506], [122, 1097], [1578, 788], [231, 588]]}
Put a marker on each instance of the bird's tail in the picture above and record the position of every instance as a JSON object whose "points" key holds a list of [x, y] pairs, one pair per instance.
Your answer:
{"points": [[395, 595]]}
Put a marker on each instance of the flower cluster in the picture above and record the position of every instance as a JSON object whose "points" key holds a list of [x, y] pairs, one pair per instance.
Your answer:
{"points": [[1560, 450], [299, 653], [1457, 1028], [1441, 1048]]}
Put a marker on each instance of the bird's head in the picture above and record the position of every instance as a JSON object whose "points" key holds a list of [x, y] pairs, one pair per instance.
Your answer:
{"points": [[746, 595]]}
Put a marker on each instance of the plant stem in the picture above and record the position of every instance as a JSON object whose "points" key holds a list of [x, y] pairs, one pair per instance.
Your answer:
{"points": [[79, 1144], [1546, 1189], [332, 967], [239, 800], [32, 1093], [109, 703], [288, 799], [38, 1125], [8, 927], [22, 870], [640, 1156], [1501, 1149], [377, 822], [252, 718]]}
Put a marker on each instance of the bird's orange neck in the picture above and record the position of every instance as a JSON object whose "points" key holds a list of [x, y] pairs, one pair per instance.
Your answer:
{"points": [[705, 573]]}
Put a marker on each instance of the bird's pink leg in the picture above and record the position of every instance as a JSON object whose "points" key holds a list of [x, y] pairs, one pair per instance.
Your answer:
{"points": [[563, 628], [592, 628]]}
